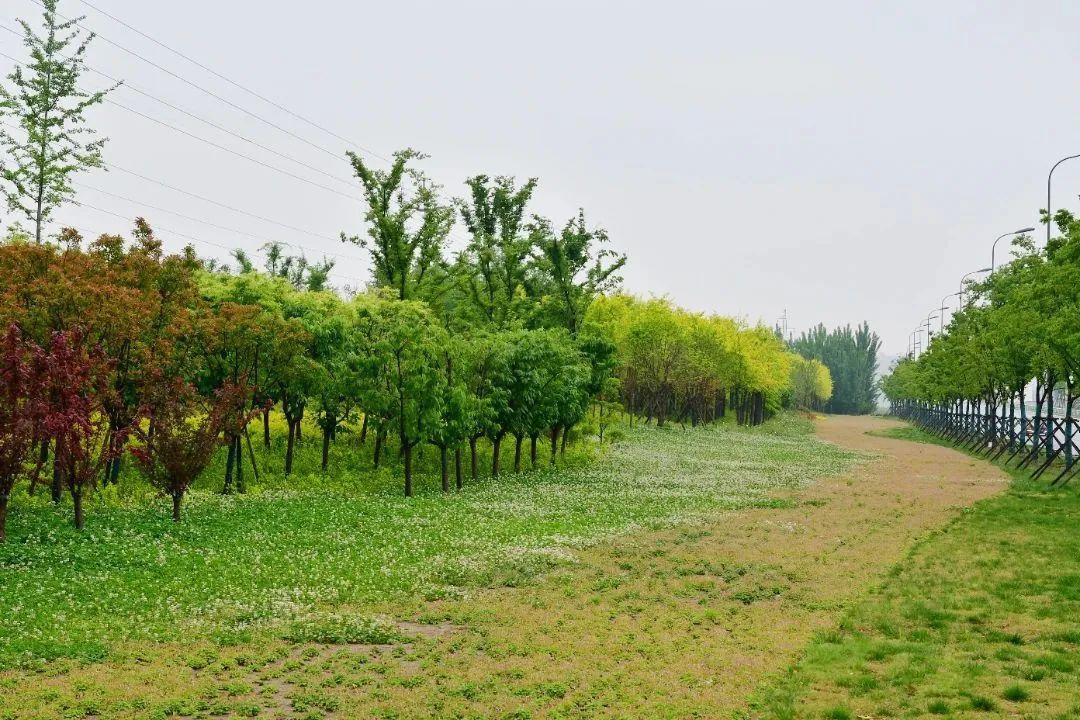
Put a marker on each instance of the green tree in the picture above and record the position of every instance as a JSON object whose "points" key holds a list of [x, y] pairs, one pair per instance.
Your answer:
{"points": [[851, 356], [574, 266], [403, 371], [407, 224], [48, 103], [493, 269]]}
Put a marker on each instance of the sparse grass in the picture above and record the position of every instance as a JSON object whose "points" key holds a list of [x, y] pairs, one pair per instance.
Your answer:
{"points": [[976, 608], [659, 603], [290, 561]]}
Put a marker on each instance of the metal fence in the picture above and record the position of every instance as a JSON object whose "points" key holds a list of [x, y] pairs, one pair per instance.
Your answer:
{"points": [[1042, 444]]}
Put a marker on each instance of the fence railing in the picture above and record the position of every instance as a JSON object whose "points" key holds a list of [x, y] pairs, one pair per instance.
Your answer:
{"points": [[1041, 444]]}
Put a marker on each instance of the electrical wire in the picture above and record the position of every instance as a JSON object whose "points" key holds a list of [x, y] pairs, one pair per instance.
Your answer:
{"points": [[235, 84]]}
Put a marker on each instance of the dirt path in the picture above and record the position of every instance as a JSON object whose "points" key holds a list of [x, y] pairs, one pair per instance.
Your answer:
{"points": [[680, 623]]}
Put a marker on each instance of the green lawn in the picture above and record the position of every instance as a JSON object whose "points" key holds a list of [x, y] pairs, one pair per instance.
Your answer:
{"points": [[307, 558], [983, 618]]}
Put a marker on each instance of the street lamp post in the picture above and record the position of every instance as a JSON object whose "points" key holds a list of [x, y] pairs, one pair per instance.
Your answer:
{"points": [[929, 328], [993, 250], [1049, 178], [941, 326], [941, 319], [964, 279]]}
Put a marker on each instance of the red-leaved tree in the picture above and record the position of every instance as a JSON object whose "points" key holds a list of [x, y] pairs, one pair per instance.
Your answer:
{"points": [[20, 412], [75, 382], [187, 429]]}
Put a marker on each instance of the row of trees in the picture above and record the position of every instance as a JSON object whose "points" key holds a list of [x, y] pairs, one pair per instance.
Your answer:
{"points": [[691, 368], [116, 349], [851, 355], [1019, 326], [811, 384], [176, 358], [121, 349]]}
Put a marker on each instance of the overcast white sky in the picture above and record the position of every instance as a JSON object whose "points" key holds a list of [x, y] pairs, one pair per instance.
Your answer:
{"points": [[847, 161]]}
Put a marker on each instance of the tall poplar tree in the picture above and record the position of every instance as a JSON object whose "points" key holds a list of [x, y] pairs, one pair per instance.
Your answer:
{"points": [[47, 102], [574, 266], [407, 224], [494, 267]]}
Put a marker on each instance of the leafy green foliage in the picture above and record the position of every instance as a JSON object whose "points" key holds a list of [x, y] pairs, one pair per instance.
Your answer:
{"points": [[811, 384], [407, 224], [47, 102], [851, 357]]}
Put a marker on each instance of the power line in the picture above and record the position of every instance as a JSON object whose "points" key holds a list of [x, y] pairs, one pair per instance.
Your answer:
{"points": [[234, 83], [113, 166], [191, 238], [78, 23], [216, 126], [211, 224], [219, 204], [221, 128], [223, 148], [229, 150]]}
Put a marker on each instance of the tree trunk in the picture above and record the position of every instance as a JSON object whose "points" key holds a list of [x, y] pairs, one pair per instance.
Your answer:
{"points": [[565, 438], [532, 451], [1023, 416], [114, 469], [1069, 398], [380, 438], [3, 517], [363, 430], [1051, 381], [408, 469], [238, 458], [43, 460], [176, 506], [444, 466], [251, 455], [266, 428], [472, 457], [496, 455], [457, 467], [229, 467], [517, 453], [290, 445], [325, 448], [76, 496], [554, 444], [57, 482]]}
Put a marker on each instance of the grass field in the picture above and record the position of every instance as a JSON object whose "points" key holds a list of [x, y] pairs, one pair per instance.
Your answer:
{"points": [[981, 619], [313, 563], [698, 573]]}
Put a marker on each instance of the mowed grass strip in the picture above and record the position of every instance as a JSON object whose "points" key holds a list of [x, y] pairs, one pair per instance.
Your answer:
{"points": [[982, 619], [279, 562]]}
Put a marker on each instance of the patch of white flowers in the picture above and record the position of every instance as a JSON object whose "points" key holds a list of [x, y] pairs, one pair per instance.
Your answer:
{"points": [[285, 560]]}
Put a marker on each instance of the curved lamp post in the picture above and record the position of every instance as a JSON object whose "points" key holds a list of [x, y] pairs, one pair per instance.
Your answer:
{"points": [[915, 340], [929, 328], [993, 250], [964, 279], [1049, 178], [944, 307]]}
